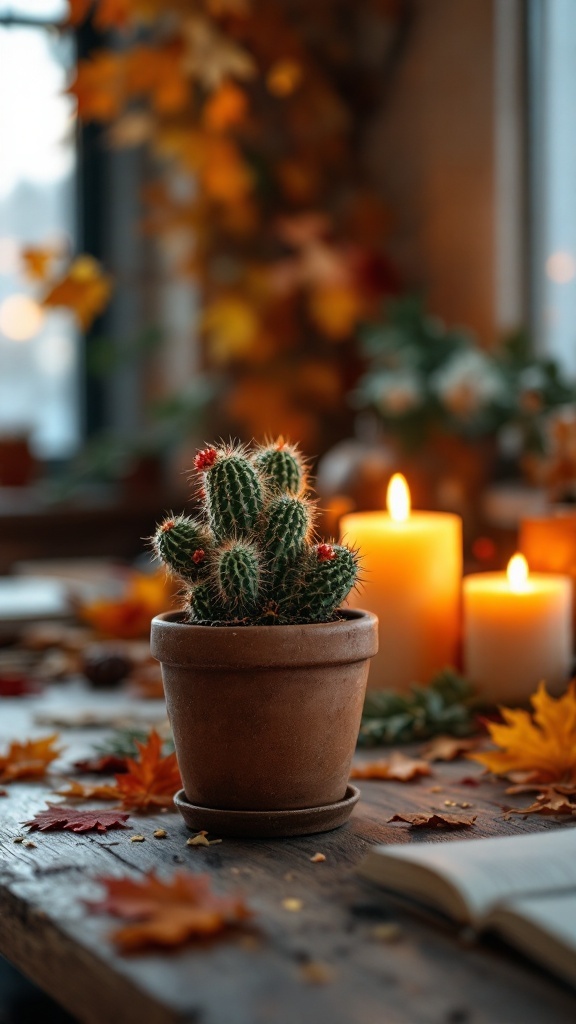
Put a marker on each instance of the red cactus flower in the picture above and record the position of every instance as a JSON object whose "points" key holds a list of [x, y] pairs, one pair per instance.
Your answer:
{"points": [[205, 458], [326, 553], [168, 524], [198, 556]]}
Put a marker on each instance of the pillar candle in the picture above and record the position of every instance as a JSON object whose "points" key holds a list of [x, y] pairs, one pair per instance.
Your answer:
{"points": [[517, 632], [411, 568]]}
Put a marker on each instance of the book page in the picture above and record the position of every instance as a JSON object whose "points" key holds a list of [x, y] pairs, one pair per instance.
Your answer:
{"points": [[480, 872], [544, 927]]}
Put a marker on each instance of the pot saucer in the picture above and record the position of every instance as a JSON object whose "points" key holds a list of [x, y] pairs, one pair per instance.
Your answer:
{"points": [[268, 824]]}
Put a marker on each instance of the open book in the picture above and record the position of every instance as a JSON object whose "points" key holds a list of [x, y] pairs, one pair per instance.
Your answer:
{"points": [[522, 886]]}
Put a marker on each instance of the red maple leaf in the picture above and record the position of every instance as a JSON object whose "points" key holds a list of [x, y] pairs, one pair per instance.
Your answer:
{"points": [[67, 819]]}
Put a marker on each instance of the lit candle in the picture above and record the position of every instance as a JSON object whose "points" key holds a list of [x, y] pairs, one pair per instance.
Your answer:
{"points": [[411, 571], [517, 631]]}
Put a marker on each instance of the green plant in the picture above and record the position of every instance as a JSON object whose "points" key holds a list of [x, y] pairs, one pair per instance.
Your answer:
{"points": [[441, 707], [251, 557]]}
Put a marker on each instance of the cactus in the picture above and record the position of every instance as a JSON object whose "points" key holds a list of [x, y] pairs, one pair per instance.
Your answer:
{"points": [[329, 575], [285, 529], [238, 575], [251, 560], [233, 492], [183, 544], [282, 467]]}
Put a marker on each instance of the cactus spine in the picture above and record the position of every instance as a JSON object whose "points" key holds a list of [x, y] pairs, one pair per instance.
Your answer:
{"points": [[251, 559]]}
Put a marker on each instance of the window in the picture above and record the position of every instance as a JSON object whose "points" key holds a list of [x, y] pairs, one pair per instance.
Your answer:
{"points": [[553, 106], [39, 391]]}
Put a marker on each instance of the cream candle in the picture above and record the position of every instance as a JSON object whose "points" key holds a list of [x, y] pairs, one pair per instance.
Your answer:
{"points": [[517, 631], [411, 571]]}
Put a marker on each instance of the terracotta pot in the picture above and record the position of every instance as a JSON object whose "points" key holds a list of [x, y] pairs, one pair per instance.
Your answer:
{"points": [[265, 718]]}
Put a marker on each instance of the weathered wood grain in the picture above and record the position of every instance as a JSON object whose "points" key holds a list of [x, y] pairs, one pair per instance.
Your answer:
{"points": [[427, 977]]}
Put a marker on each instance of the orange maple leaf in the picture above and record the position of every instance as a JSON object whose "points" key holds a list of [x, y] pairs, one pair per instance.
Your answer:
{"points": [[28, 760], [151, 780], [168, 913], [85, 289], [542, 745]]}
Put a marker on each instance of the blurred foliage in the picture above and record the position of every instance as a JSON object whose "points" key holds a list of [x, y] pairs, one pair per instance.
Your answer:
{"points": [[257, 118], [423, 379], [441, 707]]}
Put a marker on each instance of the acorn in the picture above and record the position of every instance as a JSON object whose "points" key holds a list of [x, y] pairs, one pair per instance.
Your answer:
{"points": [[104, 666]]}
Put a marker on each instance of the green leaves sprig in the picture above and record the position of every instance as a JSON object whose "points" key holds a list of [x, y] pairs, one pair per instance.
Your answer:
{"points": [[443, 706]]}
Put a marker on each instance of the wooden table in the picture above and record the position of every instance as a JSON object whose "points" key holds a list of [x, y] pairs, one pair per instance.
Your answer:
{"points": [[430, 975]]}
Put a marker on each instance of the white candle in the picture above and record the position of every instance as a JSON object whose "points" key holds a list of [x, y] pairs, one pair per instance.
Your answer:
{"points": [[517, 632], [411, 571]]}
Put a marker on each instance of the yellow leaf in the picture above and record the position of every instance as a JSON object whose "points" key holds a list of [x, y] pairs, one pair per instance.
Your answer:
{"points": [[542, 744], [231, 326]]}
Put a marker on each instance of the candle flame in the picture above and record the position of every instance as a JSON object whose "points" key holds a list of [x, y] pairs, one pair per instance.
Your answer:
{"points": [[398, 499], [517, 573]]}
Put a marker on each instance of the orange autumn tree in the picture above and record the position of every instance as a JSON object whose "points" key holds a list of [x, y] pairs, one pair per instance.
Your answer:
{"points": [[257, 116]]}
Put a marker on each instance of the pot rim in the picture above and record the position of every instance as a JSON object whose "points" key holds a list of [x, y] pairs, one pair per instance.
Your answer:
{"points": [[351, 638]]}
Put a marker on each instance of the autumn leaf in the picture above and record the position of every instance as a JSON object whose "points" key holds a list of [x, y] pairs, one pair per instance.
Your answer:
{"points": [[447, 748], [38, 261], [84, 289], [129, 616], [28, 760], [99, 86], [168, 913], [432, 819], [225, 108], [105, 764], [231, 326], [396, 768], [548, 802], [336, 310], [151, 780], [67, 819], [542, 744], [80, 791]]}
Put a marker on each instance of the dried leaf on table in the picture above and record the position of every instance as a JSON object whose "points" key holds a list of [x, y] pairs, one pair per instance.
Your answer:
{"points": [[80, 791], [168, 913], [396, 768], [151, 780], [105, 764], [28, 760], [68, 819], [447, 748], [553, 799], [541, 745], [434, 819]]}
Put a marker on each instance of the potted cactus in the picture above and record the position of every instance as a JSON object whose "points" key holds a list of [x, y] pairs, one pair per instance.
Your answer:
{"points": [[264, 673]]}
